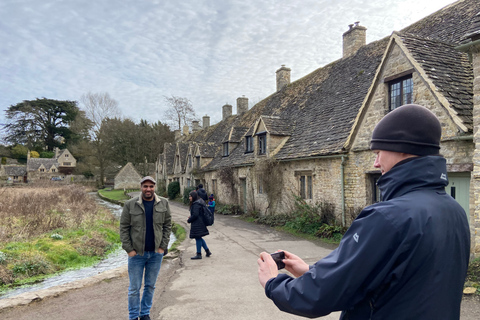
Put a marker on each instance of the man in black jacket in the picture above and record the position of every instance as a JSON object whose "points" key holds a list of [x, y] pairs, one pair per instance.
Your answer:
{"points": [[403, 258]]}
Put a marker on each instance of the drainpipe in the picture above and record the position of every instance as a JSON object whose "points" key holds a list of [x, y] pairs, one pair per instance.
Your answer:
{"points": [[342, 169]]}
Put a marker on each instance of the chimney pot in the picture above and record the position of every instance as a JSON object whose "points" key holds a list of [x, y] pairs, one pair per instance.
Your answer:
{"points": [[226, 111], [283, 77], [353, 39], [206, 121], [242, 105]]}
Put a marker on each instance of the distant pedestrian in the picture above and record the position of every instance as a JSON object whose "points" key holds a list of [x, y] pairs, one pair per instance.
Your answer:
{"points": [[202, 193], [145, 227], [403, 258], [198, 229], [211, 203]]}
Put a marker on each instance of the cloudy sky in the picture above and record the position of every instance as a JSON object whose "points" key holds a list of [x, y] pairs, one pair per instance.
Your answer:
{"points": [[209, 51]]}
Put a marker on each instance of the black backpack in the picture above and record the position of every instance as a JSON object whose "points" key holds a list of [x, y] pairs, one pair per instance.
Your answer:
{"points": [[208, 216]]}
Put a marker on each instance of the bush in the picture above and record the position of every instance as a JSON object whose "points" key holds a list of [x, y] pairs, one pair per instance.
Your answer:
{"points": [[186, 192], [173, 189], [228, 209]]}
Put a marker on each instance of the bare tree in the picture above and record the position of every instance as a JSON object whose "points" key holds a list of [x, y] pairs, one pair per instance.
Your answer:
{"points": [[99, 107], [180, 111]]}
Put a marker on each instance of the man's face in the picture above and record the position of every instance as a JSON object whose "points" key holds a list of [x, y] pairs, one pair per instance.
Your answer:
{"points": [[148, 189], [385, 160]]}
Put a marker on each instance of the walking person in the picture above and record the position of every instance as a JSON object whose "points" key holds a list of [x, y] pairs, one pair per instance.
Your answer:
{"points": [[198, 229], [211, 203], [403, 258], [202, 193], [145, 227]]}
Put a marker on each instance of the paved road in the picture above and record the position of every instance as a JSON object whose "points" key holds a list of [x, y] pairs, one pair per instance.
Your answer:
{"points": [[224, 286]]}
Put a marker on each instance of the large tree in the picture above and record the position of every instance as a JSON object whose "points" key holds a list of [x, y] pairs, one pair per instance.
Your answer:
{"points": [[99, 108], [41, 123], [179, 110]]}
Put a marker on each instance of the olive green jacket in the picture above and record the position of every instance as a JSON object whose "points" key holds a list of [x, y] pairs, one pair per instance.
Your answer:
{"points": [[133, 221]]}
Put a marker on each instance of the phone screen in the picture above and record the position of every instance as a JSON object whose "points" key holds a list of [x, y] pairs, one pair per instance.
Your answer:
{"points": [[278, 257]]}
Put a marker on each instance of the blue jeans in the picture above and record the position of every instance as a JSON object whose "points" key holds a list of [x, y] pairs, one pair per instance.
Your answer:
{"points": [[201, 243], [150, 262]]}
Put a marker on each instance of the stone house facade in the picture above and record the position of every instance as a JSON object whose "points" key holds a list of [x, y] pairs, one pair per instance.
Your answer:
{"points": [[310, 139]]}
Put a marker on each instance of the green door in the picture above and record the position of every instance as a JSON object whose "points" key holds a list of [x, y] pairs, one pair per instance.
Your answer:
{"points": [[459, 188]]}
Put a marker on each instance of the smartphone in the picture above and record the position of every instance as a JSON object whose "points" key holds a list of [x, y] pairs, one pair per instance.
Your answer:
{"points": [[278, 257]]}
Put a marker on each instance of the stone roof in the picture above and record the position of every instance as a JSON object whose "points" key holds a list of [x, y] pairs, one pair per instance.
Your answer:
{"points": [[450, 71], [277, 126], [33, 164], [235, 134], [15, 170], [473, 32], [449, 24], [182, 152], [207, 150]]}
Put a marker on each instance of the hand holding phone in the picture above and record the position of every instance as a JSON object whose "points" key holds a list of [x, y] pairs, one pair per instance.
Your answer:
{"points": [[278, 257]]}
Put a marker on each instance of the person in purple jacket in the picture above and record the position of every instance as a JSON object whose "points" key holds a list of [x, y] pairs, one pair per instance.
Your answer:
{"points": [[403, 258]]}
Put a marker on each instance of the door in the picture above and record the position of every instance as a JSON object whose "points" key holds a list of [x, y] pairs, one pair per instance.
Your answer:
{"points": [[243, 194], [459, 188]]}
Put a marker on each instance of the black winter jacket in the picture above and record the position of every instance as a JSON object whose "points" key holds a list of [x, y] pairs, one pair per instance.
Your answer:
{"points": [[197, 228], [403, 258]]}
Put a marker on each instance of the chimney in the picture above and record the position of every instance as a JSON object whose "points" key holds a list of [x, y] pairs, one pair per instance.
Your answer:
{"points": [[178, 134], [196, 126], [226, 111], [283, 77], [206, 121], [354, 39], [57, 150], [185, 130], [242, 105]]}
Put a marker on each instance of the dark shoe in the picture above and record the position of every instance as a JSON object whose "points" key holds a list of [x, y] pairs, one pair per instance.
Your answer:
{"points": [[145, 317], [208, 253], [198, 256]]}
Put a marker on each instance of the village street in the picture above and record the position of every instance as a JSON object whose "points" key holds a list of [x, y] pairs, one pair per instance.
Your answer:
{"points": [[224, 286]]}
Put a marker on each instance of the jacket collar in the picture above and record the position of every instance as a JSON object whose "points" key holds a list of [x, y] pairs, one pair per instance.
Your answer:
{"points": [[140, 200], [429, 172]]}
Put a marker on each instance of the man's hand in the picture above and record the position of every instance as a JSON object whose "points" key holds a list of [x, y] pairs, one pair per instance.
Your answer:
{"points": [[295, 265], [160, 250], [267, 268], [132, 253]]}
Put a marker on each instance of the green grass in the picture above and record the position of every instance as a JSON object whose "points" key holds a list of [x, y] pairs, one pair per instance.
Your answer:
{"points": [[117, 195]]}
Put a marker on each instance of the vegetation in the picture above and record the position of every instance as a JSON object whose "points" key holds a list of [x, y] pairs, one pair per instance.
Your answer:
{"points": [[51, 228], [173, 189], [473, 275], [44, 123], [305, 220], [186, 193], [116, 195]]}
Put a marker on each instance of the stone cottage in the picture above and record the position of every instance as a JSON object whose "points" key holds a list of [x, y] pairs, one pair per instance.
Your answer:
{"points": [[310, 139], [127, 178], [61, 165]]}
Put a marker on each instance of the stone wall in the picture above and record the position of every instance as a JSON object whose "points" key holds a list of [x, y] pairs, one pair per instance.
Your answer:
{"points": [[127, 178]]}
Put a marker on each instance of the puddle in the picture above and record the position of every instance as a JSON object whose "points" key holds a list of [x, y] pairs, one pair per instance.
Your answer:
{"points": [[114, 260]]}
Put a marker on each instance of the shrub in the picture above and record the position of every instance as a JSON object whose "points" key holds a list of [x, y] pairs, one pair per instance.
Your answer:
{"points": [[173, 189], [3, 257], [56, 236], [186, 192], [228, 209]]}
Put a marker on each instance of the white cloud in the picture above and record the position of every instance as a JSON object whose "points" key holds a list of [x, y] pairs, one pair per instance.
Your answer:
{"points": [[210, 51]]}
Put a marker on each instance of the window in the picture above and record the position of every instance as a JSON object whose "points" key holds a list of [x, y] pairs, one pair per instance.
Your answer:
{"points": [[189, 160], [376, 195], [198, 162], [306, 187], [188, 182], [42, 170], [248, 144], [67, 163], [66, 155], [53, 170], [401, 92], [225, 149], [262, 144], [260, 183]]}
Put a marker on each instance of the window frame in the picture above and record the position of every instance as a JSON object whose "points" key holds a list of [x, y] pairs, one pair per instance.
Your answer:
{"points": [[225, 149], [248, 144], [262, 143], [404, 81]]}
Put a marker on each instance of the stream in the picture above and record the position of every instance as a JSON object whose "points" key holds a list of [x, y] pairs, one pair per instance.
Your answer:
{"points": [[114, 260]]}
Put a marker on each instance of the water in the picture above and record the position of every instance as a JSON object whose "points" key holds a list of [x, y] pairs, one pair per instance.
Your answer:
{"points": [[114, 260]]}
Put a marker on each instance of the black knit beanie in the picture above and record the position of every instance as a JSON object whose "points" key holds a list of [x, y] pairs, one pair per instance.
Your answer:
{"points": [[411, 129]]}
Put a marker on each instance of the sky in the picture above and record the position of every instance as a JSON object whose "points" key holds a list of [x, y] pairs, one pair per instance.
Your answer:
{"points": [[208, 51]]}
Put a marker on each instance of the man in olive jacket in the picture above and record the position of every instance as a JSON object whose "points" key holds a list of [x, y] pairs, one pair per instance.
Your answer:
{"points": [[145, 227]]}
